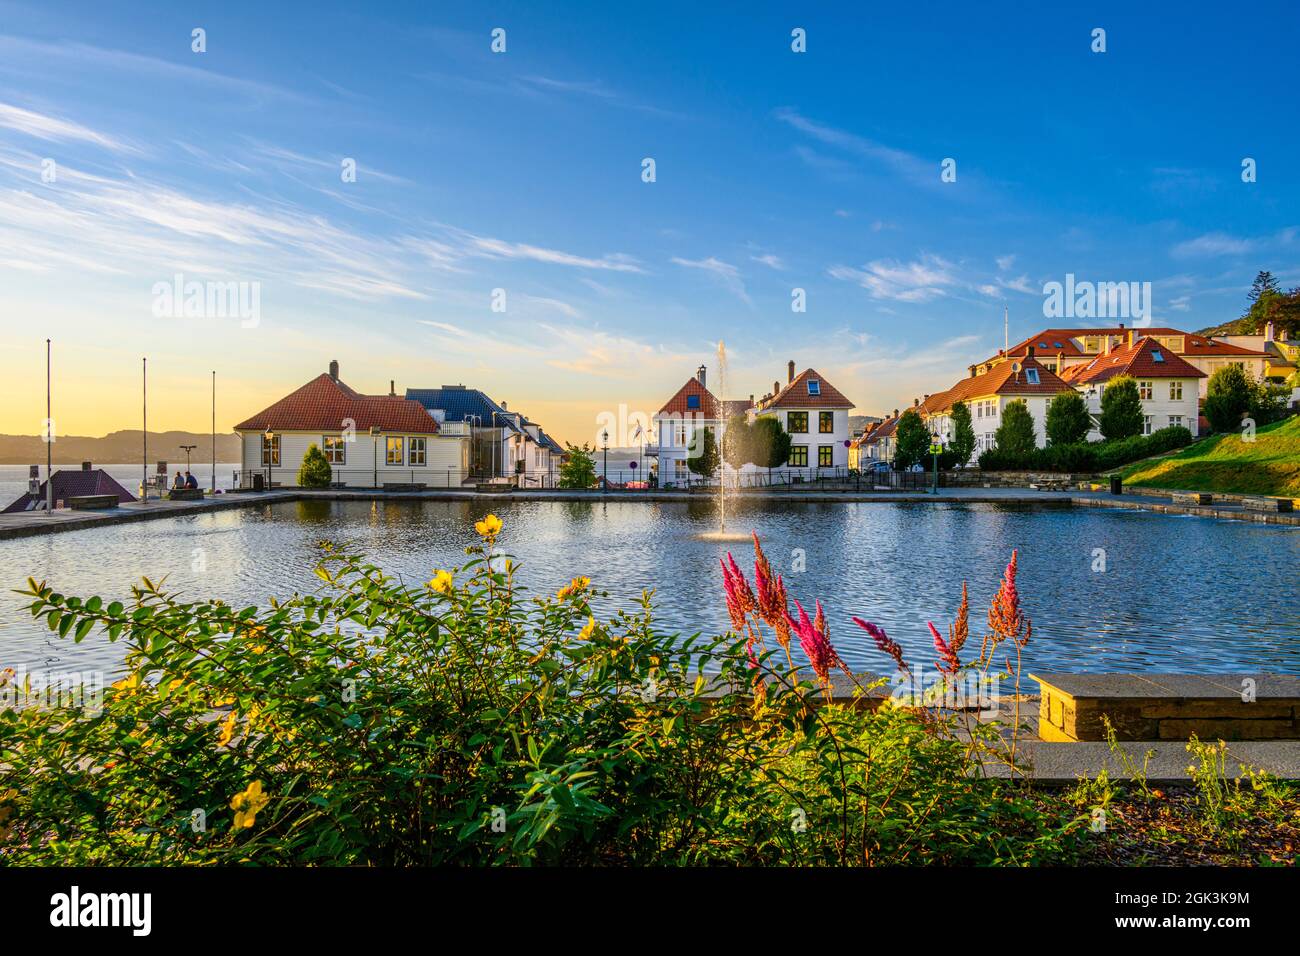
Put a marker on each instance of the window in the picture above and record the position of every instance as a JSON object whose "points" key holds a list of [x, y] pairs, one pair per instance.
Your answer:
{"points": [[1175, 421], [1157, 355], [416, 453], [394, 454], [1146, 424], [1175, 391], [826, 456], [1031, 376], [271, 450], [336, 450], [1144, 391], [681, 435], [796, 423], [798, 456], [679, 468], [826, 422], [814, 387], [692, 401]]}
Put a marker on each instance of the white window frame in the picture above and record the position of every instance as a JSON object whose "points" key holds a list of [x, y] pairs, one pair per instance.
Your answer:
{"points": [[335, 454], [411, 445], [388, 450]]}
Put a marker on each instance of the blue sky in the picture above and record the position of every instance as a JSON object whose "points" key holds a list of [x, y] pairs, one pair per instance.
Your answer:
{"points": [[522, 171]]}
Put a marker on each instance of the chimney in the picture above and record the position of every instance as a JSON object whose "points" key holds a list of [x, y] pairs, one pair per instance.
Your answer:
{"points": [[1029, 351], [503, 406], [896, 413], [1060, 360], [776, 387], [927, 398], [700, 374], [334, 369], [1268, 331], [392, 388], [1132, 335], [85, 466], [916, 402], [1106, 349], [790, 371], [972, 371], [751, 398]]}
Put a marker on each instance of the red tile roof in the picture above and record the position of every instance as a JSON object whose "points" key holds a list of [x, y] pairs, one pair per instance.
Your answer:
{"points": [[1061, 341], [324, 404], [795, 394], [707, 407], [1138, 360], [1001, 379]]}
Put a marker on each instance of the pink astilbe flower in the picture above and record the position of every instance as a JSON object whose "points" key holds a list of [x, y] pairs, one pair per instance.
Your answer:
{"points": [[948, 661], [740, 599], [773, 605], [1006, 618], [815, 640], [884, 643]]}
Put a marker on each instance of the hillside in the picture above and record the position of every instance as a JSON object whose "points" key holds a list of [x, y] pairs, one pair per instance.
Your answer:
{"points": [[115, 448], [1270, 465]]}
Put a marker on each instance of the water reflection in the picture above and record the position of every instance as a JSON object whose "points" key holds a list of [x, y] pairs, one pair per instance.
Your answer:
{"points": [[1177, 594]]}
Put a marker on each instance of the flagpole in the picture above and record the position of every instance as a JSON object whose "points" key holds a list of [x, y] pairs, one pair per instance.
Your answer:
{"points": [[144, 435], [49, 438], [214, 431]]}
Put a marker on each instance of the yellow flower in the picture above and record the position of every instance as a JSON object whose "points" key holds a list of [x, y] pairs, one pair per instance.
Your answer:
{"points": [[489, 527], [586, 632], [574, 587], [228, 729], [248, 804], [441, 582]]}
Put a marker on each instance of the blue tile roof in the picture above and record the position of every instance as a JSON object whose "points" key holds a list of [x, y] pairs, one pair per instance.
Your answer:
{"points": [[459, 404]]}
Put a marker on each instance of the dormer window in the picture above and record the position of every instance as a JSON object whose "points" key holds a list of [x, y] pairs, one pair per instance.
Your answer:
{"points": [[814, 387], [1031, 376]]}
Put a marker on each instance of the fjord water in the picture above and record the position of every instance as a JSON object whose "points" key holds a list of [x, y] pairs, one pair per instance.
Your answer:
{"points": [[1176, 593]]}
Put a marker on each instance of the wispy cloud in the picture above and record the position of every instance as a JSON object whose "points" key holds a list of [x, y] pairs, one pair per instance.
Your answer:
{"points": [[54, 129], [919, 281], [769, 260], [725, 272], [1212, 244], [913, 168]]}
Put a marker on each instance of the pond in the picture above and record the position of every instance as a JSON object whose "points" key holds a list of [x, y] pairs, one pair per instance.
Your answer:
{"points": [[1107, 590]]}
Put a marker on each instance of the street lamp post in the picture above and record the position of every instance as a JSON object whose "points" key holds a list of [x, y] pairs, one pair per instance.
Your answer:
{"points": [[187, 449], [936, 446], [604, 438]]}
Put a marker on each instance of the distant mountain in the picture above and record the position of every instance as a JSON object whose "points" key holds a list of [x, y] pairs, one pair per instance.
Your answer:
{"points": [[116, 448], [859, 423]]}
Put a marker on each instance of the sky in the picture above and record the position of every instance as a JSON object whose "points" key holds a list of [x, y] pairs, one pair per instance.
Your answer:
{"points": [[500, 230]]}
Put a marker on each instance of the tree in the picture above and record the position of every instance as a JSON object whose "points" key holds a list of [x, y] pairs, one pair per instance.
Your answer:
{"points": [[1068, 421], [737, 443], [1121, 409], [578, 470], [1265, 284], [1015, 435], [769, 444], [962, 445], [1227, 398], [315, 471], [703, 457], [911, 440]]}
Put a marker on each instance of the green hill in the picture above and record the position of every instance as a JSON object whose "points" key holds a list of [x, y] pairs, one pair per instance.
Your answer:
{"points": [[1269, 465]]}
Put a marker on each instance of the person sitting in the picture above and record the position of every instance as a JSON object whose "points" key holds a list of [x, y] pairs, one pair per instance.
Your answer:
{"points": [[179, 482], [191, 481]]}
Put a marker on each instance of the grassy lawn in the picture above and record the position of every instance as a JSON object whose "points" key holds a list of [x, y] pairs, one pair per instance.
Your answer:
{"points": [[1270, 465]]}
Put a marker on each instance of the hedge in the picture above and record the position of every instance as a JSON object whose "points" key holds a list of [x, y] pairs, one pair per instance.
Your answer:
{"points": [[1088, 456]]}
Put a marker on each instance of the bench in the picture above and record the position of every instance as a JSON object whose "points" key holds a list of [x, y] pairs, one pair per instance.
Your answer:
{"points": [[1266, 504], [91, 502], [1168, 706], [1196, 498], [185, 494]]}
